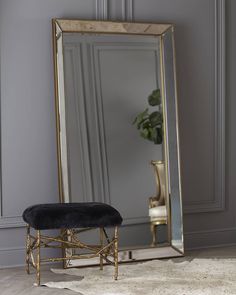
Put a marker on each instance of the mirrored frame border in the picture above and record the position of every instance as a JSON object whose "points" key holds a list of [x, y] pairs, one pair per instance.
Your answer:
{"points": [[60, 26]]}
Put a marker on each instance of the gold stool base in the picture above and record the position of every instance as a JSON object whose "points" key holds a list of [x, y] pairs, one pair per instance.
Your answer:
{"points": [[68, 239]]}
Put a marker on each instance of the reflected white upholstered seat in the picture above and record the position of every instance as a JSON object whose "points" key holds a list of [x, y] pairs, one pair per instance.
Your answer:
{"points": [[158, 212]]}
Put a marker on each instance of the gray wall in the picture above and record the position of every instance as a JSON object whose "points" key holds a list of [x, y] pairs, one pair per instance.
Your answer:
{"points": [[29, 168]]}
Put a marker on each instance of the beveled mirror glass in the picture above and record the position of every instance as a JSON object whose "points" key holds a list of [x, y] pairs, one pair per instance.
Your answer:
{"points": [[114, 82]]}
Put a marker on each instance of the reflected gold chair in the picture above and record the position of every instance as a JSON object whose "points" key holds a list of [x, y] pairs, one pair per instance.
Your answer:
{"points": [[157, 204]]}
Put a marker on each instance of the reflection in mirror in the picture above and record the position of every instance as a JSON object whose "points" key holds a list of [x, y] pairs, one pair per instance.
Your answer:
{"points": [[114, 133], [172, 135]]}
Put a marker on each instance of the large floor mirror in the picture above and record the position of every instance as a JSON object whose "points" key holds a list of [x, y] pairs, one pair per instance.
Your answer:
{"points": [[117, 129]]}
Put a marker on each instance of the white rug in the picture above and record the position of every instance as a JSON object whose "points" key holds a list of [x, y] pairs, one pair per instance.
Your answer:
{"points": [[157, 277]]}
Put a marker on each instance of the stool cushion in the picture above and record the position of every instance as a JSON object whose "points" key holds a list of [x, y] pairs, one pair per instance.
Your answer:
{"points": [[71, 215]]}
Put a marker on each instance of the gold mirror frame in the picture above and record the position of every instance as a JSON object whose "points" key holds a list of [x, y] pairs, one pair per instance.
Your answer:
{"points": [[61, 26]]}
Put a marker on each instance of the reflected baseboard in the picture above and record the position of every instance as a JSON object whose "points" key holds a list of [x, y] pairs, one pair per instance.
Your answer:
{"points": [[132, 255]]}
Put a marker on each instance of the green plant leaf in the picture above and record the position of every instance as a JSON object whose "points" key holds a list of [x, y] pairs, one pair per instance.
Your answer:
{"points": [[153, 134], [150, 126], [155, 119], [144, 133], [142, 124], [146, 124], [140, 117], [159, 137], [155, 98], [156, 135]]}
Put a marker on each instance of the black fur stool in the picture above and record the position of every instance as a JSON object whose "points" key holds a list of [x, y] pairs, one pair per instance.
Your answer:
{"points": [[71, 219]]}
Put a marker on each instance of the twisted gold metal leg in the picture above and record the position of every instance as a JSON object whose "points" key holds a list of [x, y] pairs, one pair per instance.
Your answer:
{"points": [[63, 251], [116, 253], [101, 243], [27, 249], [38, 258]]}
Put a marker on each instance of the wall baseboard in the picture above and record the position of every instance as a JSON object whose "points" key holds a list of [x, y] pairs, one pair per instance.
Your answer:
{"points": [[15, 256], [210, 238], [210, 247], [12, 257]]}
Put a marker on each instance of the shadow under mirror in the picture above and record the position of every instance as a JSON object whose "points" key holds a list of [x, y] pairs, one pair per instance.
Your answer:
{"points": [[112, 133]]}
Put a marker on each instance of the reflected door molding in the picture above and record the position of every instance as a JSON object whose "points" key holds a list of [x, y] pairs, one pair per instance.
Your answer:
{"points": [[76, 84], [88, 107], [97, 49], [217, 201]]}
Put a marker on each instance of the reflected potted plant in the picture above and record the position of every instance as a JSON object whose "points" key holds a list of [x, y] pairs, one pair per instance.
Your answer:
{"points": [[150, 126]]}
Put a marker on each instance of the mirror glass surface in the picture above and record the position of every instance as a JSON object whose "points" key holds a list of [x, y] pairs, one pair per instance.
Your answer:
{"points": [[105, 82], [171, 112]]}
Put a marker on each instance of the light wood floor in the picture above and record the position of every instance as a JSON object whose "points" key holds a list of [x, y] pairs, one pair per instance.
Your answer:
{"points": [[14, 281]]}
